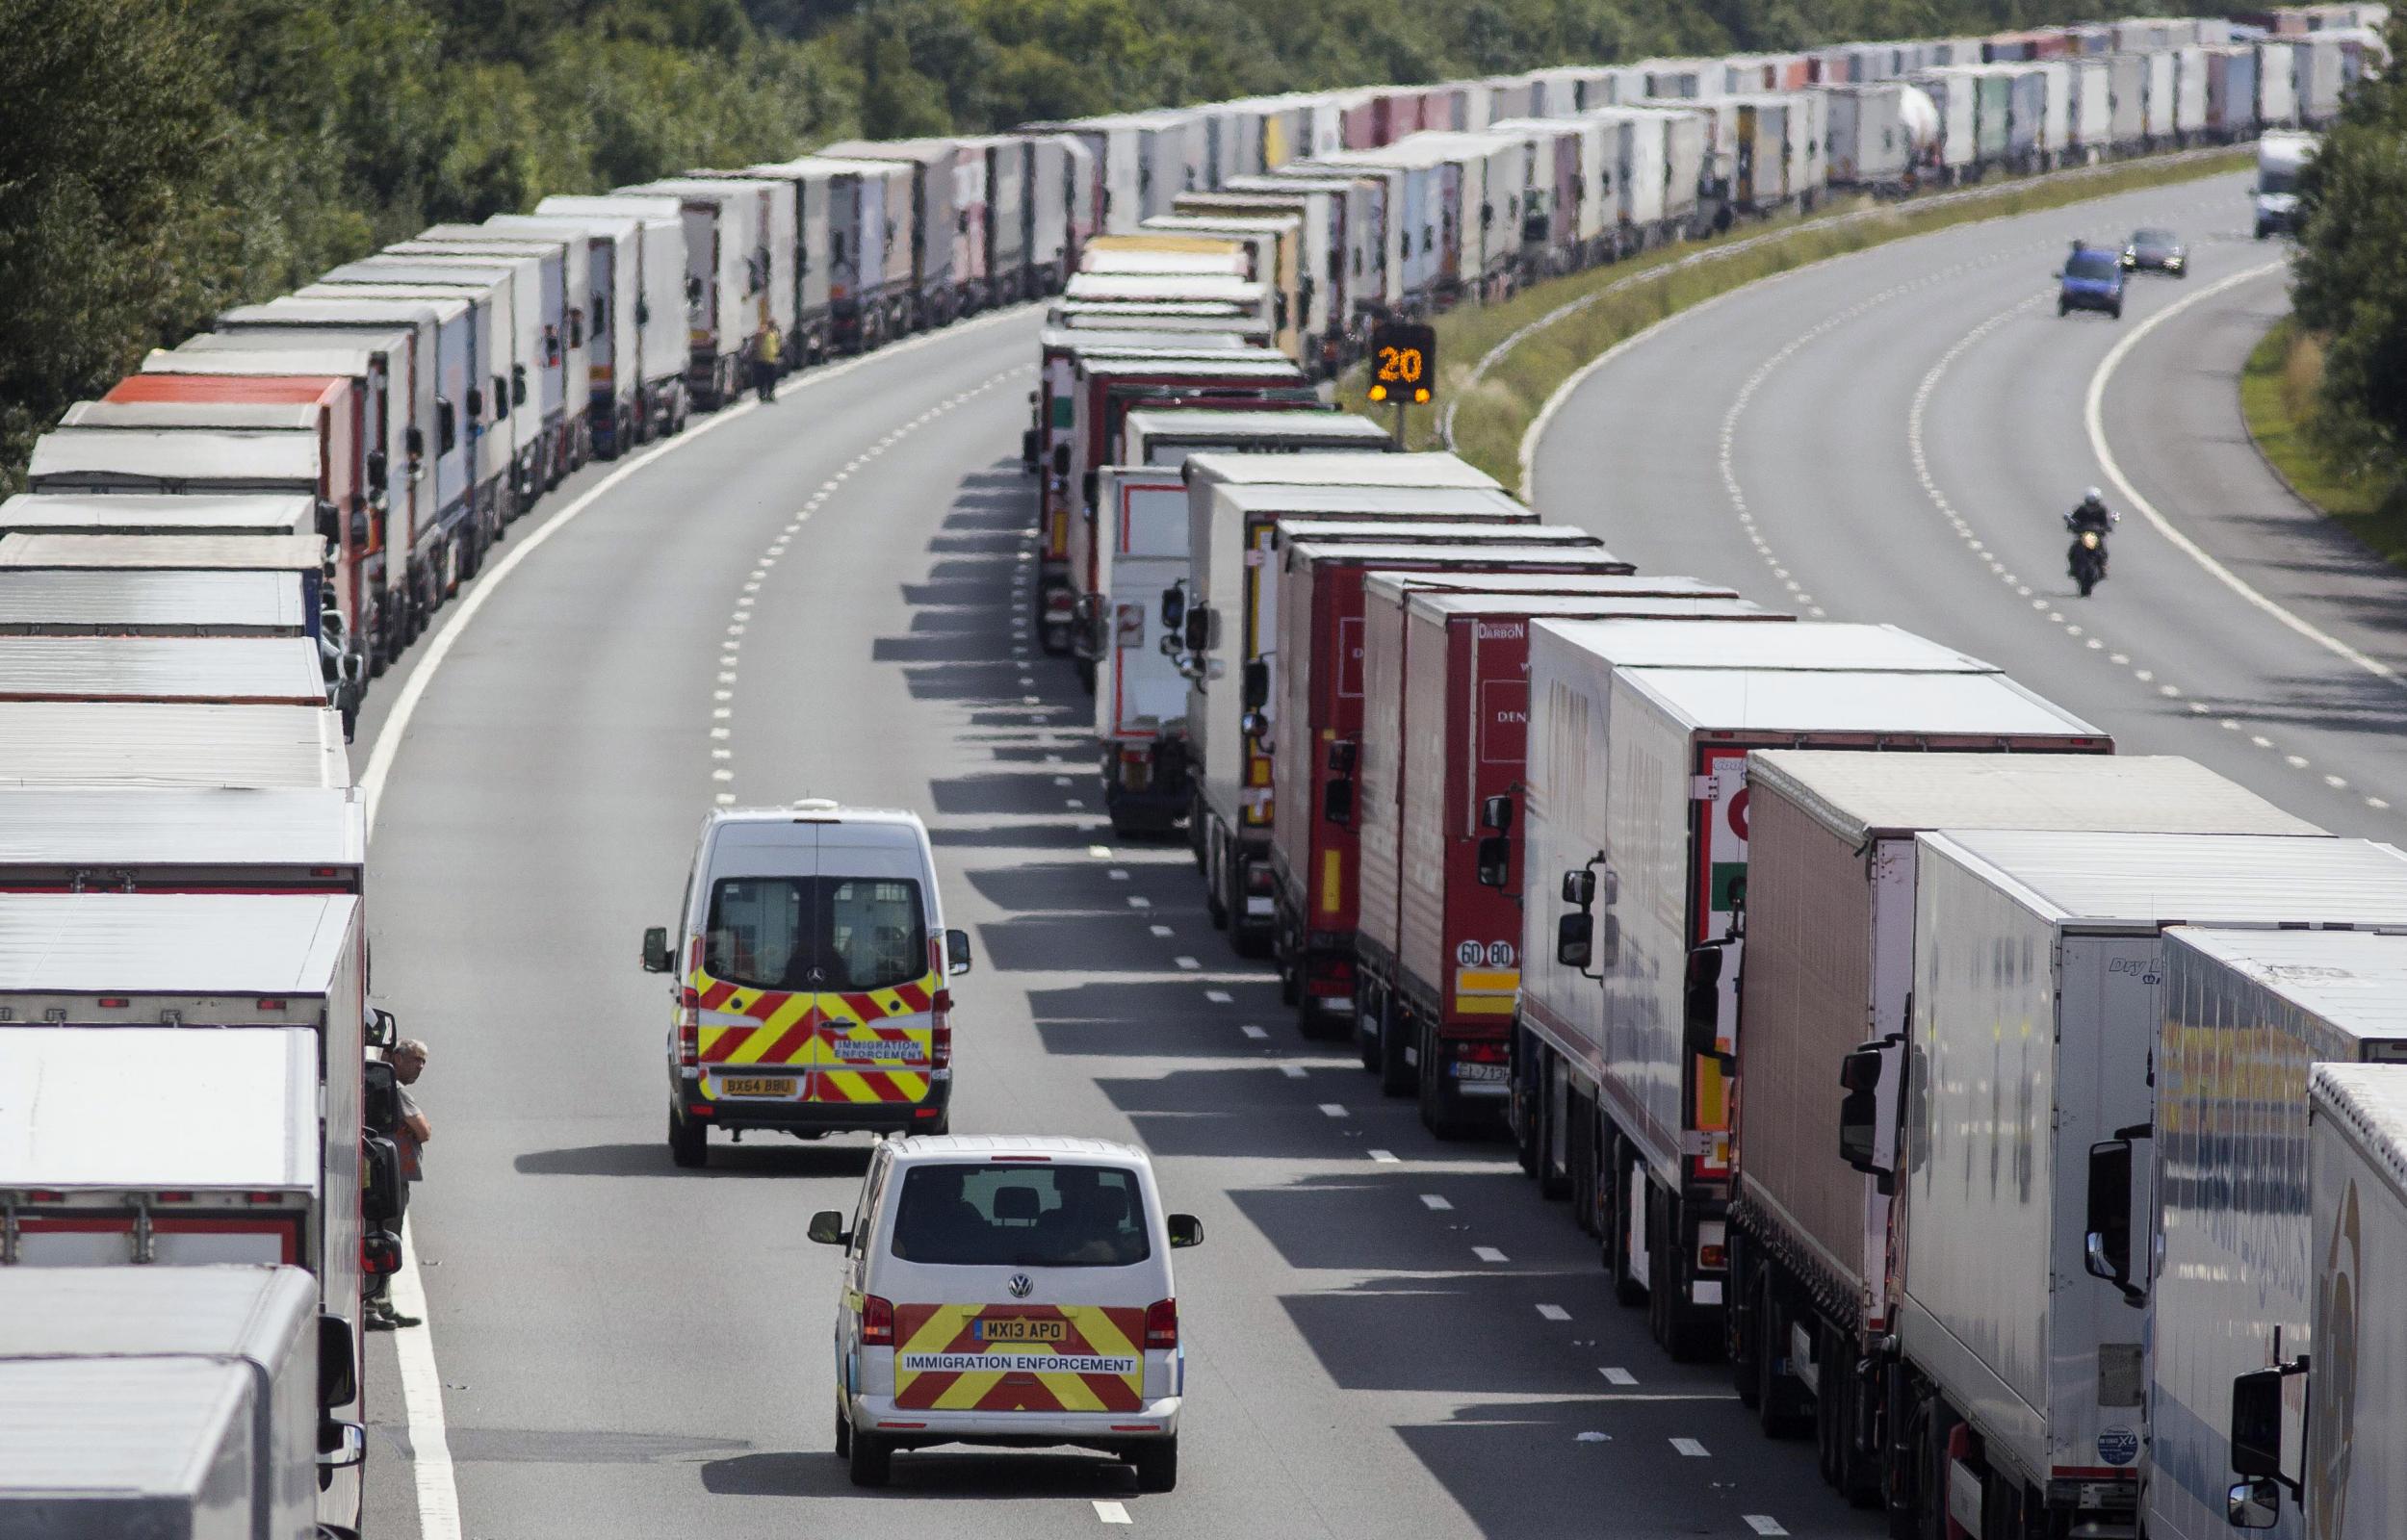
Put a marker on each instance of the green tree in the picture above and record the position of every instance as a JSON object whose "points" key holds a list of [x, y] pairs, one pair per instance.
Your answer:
{"points": [[2351, 283]]}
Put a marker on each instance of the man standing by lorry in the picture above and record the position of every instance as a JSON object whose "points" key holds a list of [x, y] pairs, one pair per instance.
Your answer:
{"points": [[409, 1058], [765, 348]]}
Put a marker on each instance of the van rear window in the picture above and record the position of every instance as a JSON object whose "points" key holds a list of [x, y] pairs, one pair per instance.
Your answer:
{"points": [[831, 934], [1020, 1215]]}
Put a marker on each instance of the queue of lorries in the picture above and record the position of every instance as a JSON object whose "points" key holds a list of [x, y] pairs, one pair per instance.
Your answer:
{"points": [[1949, 1074], [1529, 908]]}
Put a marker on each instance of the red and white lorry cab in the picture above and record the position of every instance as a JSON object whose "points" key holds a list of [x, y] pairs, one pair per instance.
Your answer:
{"points": [[1317, 681], [1443, 748], [244, 1138]]}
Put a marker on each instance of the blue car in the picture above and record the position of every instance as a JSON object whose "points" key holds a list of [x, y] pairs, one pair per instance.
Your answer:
{"points": [[2092, 279]]}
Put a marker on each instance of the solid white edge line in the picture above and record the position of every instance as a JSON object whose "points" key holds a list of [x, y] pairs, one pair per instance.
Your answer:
{"points": [[422, 1383], [2093, 414]]}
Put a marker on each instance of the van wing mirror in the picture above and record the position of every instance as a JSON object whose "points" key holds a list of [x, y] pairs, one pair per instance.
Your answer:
{"points": [[957, 952], [656, 953], [827, 1228], [338, 1364], [1185, 1230]]}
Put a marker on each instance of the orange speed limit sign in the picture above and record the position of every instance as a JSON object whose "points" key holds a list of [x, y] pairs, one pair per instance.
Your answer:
{"points": [[1404, 363]]}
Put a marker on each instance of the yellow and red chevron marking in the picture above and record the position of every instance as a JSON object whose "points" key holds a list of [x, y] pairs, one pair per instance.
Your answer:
{"points": [[1094, 1365], [839, 1035]]}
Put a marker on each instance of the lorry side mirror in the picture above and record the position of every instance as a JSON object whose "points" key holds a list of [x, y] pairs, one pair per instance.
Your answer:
{"points": [[380, 1254], [1343, 757], [1495, 862], [518, 384], [1061, 459], [1338, 802], [1579, 888], [2257, 1420], [341, 1445], [1576, 939], [376, 464], [382, 1193], [383, 1031], [1198, 623], [1174, 609], [957, 957], [656, 955], [1496, 812], [1258, 684], [2253, 1504], [1859, 1110], [1254, 725], [338, 1367], [1700, 1001], [2107, 1245], [1185, 1230], [380, 1099], [1087, 487], [827, 1228]]}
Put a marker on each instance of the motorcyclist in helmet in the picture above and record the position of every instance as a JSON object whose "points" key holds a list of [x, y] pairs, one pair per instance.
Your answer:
{"points": [[2090, 516]]}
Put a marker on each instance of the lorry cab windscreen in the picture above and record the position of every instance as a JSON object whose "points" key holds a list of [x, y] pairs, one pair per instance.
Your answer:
{"points": [[840, 934], [1019, 1216]]}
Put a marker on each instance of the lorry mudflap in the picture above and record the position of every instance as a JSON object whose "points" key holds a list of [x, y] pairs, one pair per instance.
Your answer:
{"points": [[1018, 1358]]}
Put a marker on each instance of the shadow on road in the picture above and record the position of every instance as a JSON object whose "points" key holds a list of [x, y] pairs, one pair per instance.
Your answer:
{"points": [[772, 1155], [945, 1475]]}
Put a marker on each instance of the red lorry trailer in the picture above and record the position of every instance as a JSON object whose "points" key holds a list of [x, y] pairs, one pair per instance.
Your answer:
{"points": [[1103, 388], [1319, 667], [1445, 721]]}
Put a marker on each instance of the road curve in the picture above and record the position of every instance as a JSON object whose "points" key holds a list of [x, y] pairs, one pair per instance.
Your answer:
{"points": [[1891, 436], [822, 596]]}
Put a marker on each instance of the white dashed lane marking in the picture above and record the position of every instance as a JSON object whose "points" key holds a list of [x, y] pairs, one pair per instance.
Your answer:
{"points": [[1689, 1447], [1554, 1313], [1488, 1253]]}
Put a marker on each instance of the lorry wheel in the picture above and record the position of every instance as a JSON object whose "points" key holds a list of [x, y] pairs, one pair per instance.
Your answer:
{"points": [[689, 1141], [1774, 1395], [1291, 993], [870, 1460], [1157, 1464], [1627, 1292], [1396, 1077], [843, 1434], [1551, 1184]]}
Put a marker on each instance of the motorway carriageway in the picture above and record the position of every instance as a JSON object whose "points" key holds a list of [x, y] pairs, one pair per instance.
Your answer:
{"points": [[1387, 1335]]}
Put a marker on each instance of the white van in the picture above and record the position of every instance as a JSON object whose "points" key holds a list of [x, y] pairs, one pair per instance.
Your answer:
{"points": [[1009, 1291], [811, 966]]}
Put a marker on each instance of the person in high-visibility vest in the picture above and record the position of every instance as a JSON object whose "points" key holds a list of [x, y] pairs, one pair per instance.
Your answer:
{"points": [[765, 355]]}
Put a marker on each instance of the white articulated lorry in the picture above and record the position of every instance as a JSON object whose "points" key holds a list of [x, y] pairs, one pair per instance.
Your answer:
{"points": [[2039, 965], [2348, 1481], [1634, 886], [171, 1403], [1830, 972], [2280, 158], [2247, 1016]]}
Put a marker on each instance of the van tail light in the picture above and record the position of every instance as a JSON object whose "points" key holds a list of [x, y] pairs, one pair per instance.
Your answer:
{"points": [[877, 1321], [689, 1038], [941, 1031], [1161, 1323]]}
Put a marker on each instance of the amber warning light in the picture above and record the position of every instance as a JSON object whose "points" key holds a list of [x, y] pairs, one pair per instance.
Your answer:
{"points": [[1404, 363]]}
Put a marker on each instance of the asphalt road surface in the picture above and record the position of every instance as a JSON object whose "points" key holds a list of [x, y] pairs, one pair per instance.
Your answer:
{"points": [[1388, 1336], [1895, 436], [821, 598]]}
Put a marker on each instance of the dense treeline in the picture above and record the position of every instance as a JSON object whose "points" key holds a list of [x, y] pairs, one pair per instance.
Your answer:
{"points": [[165, 158], [2351, 287]]}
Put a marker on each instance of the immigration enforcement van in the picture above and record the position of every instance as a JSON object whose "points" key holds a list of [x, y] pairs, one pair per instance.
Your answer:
{"points": [[811, 967], [1012, 1291]]}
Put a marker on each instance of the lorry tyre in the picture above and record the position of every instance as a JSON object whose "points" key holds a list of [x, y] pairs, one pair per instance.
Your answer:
{"points": [[689, 1141], [1213, 909], [1627, 1292], [869, 1460], [1157, 1461], [1774, 1394], [1291, 992], [1551, 1182], [1396, 1073], [844, 1433]]}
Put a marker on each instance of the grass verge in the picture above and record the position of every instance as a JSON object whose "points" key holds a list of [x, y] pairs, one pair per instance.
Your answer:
{"points": [[2277, 395], [1616, 302]]}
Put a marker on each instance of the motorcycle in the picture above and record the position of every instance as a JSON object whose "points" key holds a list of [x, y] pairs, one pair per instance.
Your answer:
{"points": [[2087, 559]]}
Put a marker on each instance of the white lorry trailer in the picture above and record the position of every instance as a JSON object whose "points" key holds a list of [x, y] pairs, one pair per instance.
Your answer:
{"points": [[2039, 962], [1636, 861], [1830, 970], [2247, 1016], [2347, 1482], [176, 1403], [2280, 158]]}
